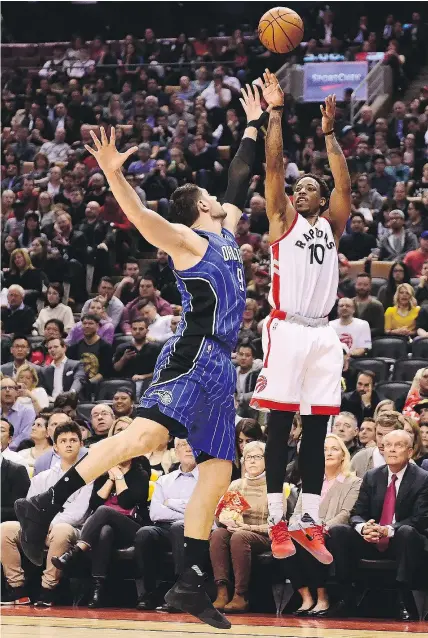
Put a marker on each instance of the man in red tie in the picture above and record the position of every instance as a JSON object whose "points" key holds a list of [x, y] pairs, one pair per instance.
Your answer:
{"points": [[389, 521]]}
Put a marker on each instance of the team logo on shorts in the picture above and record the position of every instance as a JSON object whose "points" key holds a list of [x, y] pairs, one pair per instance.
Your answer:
{"points": [[165, 396], [261, 384]]}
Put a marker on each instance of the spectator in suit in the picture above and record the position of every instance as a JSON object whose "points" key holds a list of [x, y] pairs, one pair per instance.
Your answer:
{"points": [[17, 317], [118, 506], [114, 305], [339, 493], [368, 307], [395, 246], [345, 427], [62, 531], [127, 289], [363, 401], [14, 484], [6, 436], [72, 246], [63, 374], [20, 416], [389, 520], [20, 350], [170, 497], [373, 457]]}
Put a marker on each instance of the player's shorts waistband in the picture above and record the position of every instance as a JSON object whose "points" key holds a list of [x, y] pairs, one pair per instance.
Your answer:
{"points": [[303, 321]]}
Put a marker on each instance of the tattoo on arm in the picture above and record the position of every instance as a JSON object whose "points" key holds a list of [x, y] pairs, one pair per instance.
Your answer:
{"points": [[333, 145], [274, 146]]}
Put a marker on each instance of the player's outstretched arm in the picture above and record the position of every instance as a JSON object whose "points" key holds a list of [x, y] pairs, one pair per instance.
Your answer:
{"points": [[340, 199], [241, 165], [172, 238], [279, 209]]}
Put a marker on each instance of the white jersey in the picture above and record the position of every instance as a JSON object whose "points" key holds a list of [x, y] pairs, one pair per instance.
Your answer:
{"points": [[304, 269]]}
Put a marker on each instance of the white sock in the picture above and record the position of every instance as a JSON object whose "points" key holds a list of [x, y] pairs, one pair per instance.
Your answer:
{"points": [[276, 507], [311, 505]]}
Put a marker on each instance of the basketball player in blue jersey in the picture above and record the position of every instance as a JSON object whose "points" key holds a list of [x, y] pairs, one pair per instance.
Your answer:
{"points": [[191, 395]]}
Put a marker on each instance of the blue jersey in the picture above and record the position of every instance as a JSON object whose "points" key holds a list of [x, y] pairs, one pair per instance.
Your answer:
{"points": [[213, 291]]}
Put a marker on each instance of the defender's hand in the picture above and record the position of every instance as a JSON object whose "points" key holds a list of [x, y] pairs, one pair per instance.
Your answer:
{"points": [[272, 92], [108, 157], [328, 113], [250, 101]]}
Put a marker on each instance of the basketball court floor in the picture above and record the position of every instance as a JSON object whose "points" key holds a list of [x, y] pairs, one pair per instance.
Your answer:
{"points": [[69, 622]]}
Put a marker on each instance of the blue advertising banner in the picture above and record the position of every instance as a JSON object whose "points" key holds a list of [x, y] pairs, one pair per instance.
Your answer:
{"points": [[322, 78]]}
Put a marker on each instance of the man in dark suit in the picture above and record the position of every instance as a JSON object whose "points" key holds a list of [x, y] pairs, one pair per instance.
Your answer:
{"points": [[63, 375], [20, 351], [14, 484], [389, 521], [16, 316]]}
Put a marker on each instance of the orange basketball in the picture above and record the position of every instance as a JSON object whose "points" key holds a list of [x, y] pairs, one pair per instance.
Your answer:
{"points": [[281, 30]]}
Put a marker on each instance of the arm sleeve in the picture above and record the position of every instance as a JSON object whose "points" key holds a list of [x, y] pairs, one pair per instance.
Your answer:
{"points": [[239, 174]]}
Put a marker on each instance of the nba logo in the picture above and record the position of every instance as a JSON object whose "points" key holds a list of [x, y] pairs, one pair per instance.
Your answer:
{"points": [[261, 384]]}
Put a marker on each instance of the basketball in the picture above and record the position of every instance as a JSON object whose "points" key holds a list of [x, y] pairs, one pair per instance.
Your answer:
{"points": [[281, 30]]}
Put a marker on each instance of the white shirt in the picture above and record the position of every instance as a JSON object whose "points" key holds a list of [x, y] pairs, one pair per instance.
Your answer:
{"points": [[61, 312], [354, 335], [212, 99], [378, 459], [160, 329], [58, 373], [171, 495], [399, 475], [15, 457]]}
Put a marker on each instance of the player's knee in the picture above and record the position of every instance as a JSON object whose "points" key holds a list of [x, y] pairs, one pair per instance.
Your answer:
{"points": [[217, 473], [146, 434]]}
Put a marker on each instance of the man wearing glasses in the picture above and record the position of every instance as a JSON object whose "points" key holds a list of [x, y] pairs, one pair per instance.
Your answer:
{"points": [[21, 416]]}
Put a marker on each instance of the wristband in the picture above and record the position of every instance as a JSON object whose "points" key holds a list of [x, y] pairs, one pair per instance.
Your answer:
{"points": [[258, 124], [329, 132]]}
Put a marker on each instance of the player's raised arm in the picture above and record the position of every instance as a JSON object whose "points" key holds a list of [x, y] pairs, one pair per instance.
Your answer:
{"points": [[241, 166], [340, 199], [279, 209], [172, 238]]}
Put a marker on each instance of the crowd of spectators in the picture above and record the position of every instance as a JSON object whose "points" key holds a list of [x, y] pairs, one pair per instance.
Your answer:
{"points": [[87, 304]]}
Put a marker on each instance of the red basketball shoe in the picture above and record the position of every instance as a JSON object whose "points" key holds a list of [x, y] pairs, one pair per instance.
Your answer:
{"points": [[311, 536], [282, 545]]}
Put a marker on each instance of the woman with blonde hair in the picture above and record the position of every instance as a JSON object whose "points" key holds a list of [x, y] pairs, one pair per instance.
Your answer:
{"points": [[384, 406], [27, 381], [338, 496], [418, 391], [22, 273], [413, 429], [400, 319]]}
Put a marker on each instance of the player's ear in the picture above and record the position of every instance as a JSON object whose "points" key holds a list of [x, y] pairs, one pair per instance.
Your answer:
{"points": [[323, 202], [203, 206]]}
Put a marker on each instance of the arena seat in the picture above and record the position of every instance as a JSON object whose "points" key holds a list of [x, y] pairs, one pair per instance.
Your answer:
{"points": [[380, 268], [377, 283], [36, 341], [389, 348], [108, 388], [405, 369], [392, 389], [84, 410], [379, 367], [420, 348], [119, 339], [169, 89], [355, 267]]}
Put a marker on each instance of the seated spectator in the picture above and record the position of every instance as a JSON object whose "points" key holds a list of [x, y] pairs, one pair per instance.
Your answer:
{"points": [[53, 68], [63, 529], [71, 243], [27, 381], [114, 306], [49, 260], [123, 403], [102, 418], [53, 183], [127, 289], [82, 65], [248, 330], [357, 208], [358, 244], [31, 231], [54, 328], [386, 524], [170, 497], [20, 416], [346, 286], [243, 235], [14, 484], [368, 308], [22, 273], [417, 222], [367, 432], [55, 309], [384, 406], [401, 318], [7, 432], [235, 541], [415, 259], [354, 333], [9, 244], [136, 360], [23, 149], [247, 373], [118, 506], [161, 272], [50, 458], [147, 293], [370, 198], [64, 374], [159, 329], [382, 180], [373, 457], [57, 150], [414, 431], [395, 246], [364, 400], [145, 163], [338, 496], [247, 430], [40, 439], [97, 306], [345, 427], [178, 113], [100, 240], [20, 351], [158, 184], [400, 200], [92, 351], [399, 274], [398, 171]]}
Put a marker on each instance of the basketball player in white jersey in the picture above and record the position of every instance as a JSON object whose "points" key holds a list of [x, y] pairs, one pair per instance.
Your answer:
{"points": [[303, 355]]}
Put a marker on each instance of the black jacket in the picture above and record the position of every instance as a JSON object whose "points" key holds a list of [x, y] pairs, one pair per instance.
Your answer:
{"points": [[73, 377], [411, 507], [76, 249], [15, 483], [19, 321], [351, 402]]}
